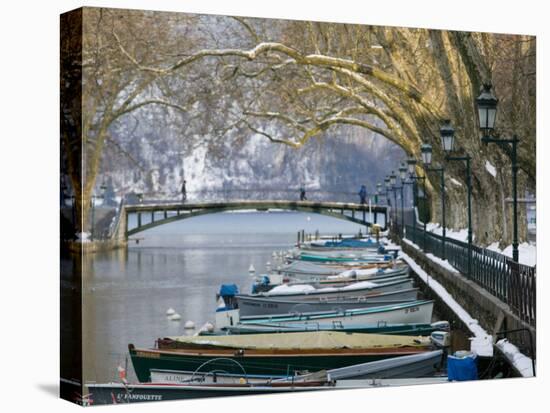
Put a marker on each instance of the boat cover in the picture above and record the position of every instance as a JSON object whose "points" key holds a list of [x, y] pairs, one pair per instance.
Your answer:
{"points": [[229, 290], [304, 340], [347, 243]]}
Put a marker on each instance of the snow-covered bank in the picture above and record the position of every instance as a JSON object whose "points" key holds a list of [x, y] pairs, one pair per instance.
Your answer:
{"points": [[436, 228], [444, 263], [482, 342], [521, 362], [527, 252]]}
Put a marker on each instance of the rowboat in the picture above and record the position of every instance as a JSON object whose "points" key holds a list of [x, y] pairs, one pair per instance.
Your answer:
{"points": [[349, 278], [115, 393], [310, 268], [415, 365], [347, 258], [120, 393], [272, 354], [416, 312], [344, 243], [307, 292], [250, 305], [380, 328]]}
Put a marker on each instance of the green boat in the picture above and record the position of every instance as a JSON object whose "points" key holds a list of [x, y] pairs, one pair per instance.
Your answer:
{"points": [[329, 259], [271, 354], [396, 329]]}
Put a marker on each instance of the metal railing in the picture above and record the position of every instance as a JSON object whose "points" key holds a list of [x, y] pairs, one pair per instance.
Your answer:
{"points": [[509, 281]]}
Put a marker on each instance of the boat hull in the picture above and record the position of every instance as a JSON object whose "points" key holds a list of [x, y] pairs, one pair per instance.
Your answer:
{"points": [[397, 329], [340, 293], [253, 306], [410, 313], [116, 393], [272, 365]]}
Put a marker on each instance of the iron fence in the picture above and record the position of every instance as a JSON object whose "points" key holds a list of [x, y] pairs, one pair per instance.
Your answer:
{"points": [[509, 281]]}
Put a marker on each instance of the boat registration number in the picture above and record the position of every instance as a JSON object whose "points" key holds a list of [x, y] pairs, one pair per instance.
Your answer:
{"points": [[411, 310]]}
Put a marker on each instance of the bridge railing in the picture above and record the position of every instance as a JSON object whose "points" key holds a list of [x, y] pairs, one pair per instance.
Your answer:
{"points": [[277, 194], [511, 282]]}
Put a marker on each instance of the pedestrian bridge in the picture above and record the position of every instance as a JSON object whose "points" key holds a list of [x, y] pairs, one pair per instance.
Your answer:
{"points": [[150, 215]]}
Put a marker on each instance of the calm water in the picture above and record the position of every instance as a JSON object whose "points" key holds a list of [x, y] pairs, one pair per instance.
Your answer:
{"points": [[180, 265]]}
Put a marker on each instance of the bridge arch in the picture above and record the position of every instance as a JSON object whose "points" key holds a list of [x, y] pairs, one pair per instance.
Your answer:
{"points": [[172, 212]]}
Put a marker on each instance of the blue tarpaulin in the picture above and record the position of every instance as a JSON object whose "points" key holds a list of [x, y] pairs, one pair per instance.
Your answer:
{"points": [[229, 290]]}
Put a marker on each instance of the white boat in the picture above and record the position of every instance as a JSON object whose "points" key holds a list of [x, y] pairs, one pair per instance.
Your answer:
{"points": [[416, 312]]}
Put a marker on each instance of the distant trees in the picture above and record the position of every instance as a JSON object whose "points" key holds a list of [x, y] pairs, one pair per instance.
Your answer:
{"points": [[291, 81]]}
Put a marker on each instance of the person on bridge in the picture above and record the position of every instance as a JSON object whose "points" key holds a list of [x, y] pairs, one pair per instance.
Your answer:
{"points": [[183, 191], [363, 194], [303, 193]]}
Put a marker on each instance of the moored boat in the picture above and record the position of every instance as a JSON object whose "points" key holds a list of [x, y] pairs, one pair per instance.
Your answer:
{"points": [[307, 292], [381, 328], [250, 305], [416, 312], [415, 365], [272, 354], [115, 393]]}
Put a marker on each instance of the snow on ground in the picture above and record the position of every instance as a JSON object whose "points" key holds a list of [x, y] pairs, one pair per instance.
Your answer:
{"points": [[482, 342], [527, 252], [444, 263], [490, 168], [520, 361], [436, 228]]}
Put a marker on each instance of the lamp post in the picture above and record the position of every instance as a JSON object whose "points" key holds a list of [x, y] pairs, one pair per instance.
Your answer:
{"points": [[447, 139], [411, 163], [402, 176], [412, 174], [426, 150], [387, 186], [487, 111], [395, 188]]}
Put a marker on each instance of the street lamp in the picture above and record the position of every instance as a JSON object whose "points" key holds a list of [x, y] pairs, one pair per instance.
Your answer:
{"points": [[392, 179], [426, 150], [447, 140], [402, 176], [487, 111]]}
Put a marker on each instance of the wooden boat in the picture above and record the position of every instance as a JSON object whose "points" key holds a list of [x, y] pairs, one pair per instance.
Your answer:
{"points": [[309, 293], [250, 305], [344, 281], [380, 328], [272, 354], [120, 393], [347, 258], [349, 276], [415, 365], [416, 312], [298, 267], [347, 243], [115, 393]]}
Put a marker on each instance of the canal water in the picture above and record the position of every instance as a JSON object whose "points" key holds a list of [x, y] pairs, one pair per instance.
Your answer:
{"points": [[181, 265]]}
